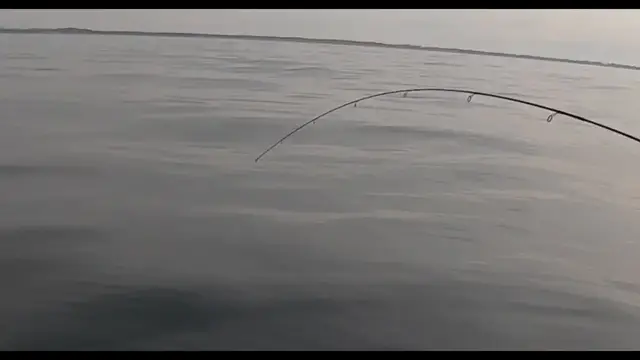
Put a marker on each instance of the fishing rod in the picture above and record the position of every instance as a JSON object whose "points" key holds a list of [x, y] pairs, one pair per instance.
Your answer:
{"points": [[471, 94]]}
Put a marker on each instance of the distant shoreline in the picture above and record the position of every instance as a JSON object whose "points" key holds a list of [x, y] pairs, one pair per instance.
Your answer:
{"points": [[76, 31]]}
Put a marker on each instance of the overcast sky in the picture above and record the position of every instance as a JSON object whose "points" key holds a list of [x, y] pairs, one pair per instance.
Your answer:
{"points": [[606, 35]]}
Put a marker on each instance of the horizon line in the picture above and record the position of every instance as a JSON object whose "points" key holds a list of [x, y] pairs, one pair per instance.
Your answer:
{"points": [[85, 31]]}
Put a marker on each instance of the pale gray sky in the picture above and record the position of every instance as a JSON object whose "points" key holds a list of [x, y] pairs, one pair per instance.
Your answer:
{"points": [[606, 35]]}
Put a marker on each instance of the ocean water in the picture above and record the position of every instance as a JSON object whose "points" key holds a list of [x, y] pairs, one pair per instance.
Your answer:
{"points": [[133, 215]]}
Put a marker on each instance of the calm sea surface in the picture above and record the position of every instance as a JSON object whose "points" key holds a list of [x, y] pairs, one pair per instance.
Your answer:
{"points": [[132, 214]]}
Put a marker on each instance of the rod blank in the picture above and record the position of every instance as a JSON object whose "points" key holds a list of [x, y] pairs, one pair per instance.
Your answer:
{"points": [[471, 93]]}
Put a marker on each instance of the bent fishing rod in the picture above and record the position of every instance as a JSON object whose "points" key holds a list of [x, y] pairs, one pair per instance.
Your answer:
{"points": [[471, 94]]}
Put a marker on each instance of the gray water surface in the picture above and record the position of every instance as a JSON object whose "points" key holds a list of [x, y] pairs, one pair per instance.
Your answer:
{"points": [[133, 215]]}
